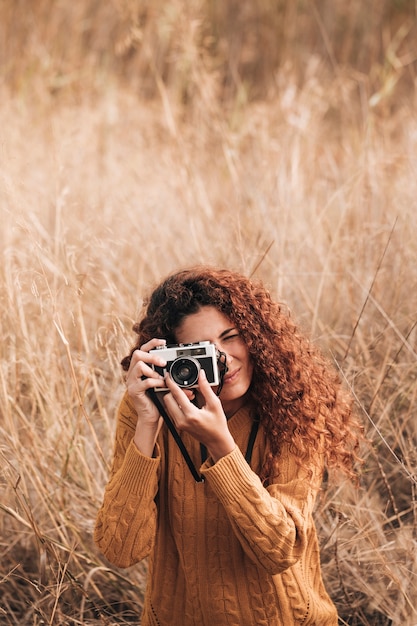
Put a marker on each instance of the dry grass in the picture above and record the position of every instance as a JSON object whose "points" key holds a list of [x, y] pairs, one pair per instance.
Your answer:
{"points": [[311, 186]]}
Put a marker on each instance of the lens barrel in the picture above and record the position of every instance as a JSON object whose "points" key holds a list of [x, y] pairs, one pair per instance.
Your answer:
{"points": [[184, 371]]}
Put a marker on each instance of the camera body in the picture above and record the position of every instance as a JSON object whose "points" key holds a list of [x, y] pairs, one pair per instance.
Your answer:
{"points": [[184, 361]]}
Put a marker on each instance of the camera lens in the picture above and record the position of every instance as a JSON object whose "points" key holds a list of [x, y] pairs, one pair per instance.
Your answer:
{"points": [[184, 371]]}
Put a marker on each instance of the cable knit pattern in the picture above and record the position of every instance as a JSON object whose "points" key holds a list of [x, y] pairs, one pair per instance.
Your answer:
{"points": [[227, 551]]}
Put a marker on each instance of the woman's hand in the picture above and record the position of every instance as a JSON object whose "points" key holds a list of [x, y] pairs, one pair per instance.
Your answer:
{"points": [[207, 424], [140, 378]]}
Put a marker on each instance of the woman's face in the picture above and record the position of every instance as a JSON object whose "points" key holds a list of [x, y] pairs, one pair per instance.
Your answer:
{"points": [[209, 324]]}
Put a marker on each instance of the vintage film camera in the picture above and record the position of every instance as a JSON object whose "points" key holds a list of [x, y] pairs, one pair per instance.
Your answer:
{"points": [[184, 361]]}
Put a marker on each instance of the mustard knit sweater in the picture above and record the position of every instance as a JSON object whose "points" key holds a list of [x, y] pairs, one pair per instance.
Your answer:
{"points": [[226, 551]]}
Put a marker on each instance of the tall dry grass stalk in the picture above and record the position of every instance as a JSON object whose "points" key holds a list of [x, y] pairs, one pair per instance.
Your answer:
{"points": [[54, 46], [103, 191]]}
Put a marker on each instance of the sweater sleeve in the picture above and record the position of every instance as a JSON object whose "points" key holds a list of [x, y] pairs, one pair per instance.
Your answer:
{"points": [[126, 521], [271, 523]]}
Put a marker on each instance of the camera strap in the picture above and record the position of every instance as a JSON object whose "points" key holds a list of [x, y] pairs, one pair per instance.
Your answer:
{"points": [[154, 397], [222, 369]]}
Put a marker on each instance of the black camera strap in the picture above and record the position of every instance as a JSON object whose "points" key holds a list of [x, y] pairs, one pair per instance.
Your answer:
{"points": [[154, 397]]}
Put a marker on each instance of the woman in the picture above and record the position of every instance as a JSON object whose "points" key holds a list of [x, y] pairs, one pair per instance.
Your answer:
{"points": [[238, 547]]}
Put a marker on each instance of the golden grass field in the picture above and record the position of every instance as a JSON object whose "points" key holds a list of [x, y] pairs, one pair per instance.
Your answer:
{"points": [[275, 138]]}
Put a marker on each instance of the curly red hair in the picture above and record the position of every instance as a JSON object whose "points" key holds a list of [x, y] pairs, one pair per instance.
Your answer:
{"points": [[299, 397]]}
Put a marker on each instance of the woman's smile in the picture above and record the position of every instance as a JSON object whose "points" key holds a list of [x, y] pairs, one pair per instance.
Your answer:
{"points": [[231, 377]]}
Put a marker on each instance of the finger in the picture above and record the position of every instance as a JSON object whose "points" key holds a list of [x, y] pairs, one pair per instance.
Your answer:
{"points": [[152, 383], [189, 393], [206, 390], [176, 411], [141, 377], [153, 343], [147, 357], [144, 365], [141, 370], [179, 395]]}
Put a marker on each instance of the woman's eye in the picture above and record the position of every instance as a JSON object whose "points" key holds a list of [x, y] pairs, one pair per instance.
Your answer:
{"points": [[231, 337]]}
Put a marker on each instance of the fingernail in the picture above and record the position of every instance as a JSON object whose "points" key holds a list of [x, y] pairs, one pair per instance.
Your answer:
{"points": [[203, 374]]}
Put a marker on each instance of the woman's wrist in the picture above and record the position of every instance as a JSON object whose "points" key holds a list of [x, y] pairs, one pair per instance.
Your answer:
{"points": [[222, 448], [145, 439]]}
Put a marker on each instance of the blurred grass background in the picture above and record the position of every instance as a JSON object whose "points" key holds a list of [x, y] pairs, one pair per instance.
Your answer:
{"points": [[277, 138]]}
